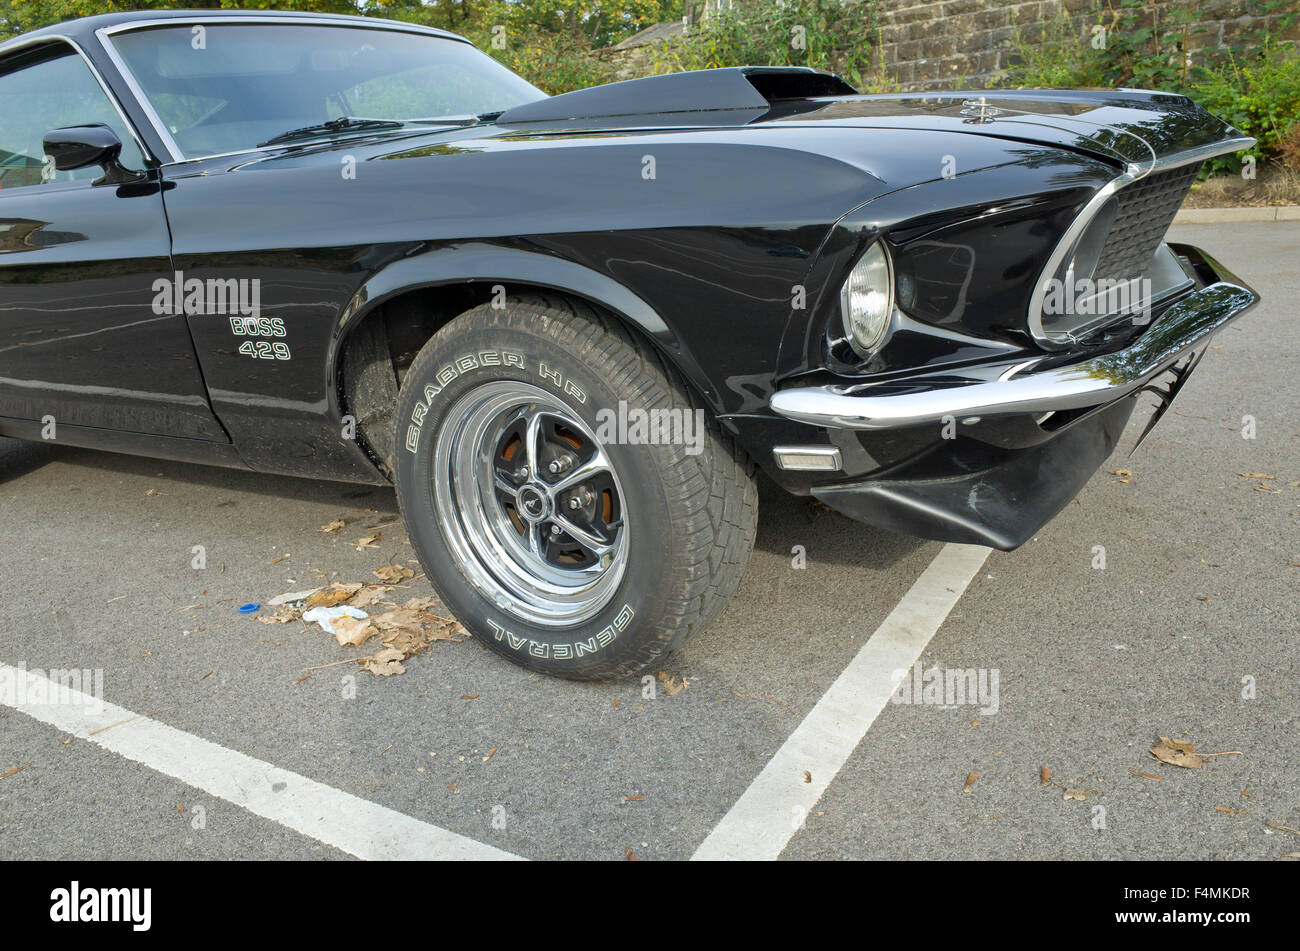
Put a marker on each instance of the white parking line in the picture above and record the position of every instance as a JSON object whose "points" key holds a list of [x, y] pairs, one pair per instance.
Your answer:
{"points": [[338, 819], [762, 822]]}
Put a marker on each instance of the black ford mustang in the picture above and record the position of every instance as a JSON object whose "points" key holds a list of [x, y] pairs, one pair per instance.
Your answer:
{"points": [[569, 329]]}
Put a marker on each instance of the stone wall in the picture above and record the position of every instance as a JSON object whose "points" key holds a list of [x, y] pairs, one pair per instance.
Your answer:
{"points": [[968, 43]]}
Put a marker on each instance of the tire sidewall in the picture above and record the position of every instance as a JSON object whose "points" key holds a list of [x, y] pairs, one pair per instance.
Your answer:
{"points": [[625, 628]]}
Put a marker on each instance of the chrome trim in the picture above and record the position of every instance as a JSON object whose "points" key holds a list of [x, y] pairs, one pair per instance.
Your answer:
{"points": [[155, 120], [1017, 388], [1199, 154], [1132, 174], [829, 456], [177, 156], [20, 44], [276, 16], [901, 321], [1063, 247], [392, 133]]}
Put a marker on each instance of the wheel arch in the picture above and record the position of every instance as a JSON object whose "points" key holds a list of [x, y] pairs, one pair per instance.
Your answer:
{"points": [[395, 312]]}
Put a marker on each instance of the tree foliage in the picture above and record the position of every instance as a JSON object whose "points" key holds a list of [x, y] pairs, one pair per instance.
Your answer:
{"points": [[595, 23]]}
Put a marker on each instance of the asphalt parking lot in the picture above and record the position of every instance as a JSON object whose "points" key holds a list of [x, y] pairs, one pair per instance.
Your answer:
{"points": [[1189, 631]]}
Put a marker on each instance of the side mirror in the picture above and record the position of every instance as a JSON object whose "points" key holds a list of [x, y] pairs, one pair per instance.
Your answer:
{"points": [[82, 146]]}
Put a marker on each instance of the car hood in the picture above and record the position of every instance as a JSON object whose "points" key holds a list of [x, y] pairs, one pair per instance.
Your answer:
{"points": [[1128, 126]]}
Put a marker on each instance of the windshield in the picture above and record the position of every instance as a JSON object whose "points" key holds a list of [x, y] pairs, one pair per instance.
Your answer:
{"points": [[226, 88]]}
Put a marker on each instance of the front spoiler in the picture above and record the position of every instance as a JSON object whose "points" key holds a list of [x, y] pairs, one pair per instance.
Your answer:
{"points": [[1020, 386], [980, 495]]}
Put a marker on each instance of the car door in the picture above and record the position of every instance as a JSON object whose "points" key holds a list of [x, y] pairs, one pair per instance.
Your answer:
{"points": [[83, 338]]}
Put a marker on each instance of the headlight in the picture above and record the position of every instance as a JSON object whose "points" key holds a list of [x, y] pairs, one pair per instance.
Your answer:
{"points": [[867, 300]]}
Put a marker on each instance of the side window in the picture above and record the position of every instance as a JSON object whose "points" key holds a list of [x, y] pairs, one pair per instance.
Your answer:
{"points": [[50, 94]]}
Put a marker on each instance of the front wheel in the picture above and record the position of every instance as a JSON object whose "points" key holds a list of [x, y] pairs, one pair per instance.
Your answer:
{"points": [[569, 501]]}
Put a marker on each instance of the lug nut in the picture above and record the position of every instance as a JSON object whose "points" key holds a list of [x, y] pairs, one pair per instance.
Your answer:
{"points": [[521, 473], [580, 498]]}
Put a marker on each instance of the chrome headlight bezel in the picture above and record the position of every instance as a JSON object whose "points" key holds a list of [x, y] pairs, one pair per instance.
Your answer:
{"points": [[867, 300]]}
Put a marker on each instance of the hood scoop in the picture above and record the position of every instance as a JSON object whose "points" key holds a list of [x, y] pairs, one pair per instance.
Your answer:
{"points": [[752, 89]]}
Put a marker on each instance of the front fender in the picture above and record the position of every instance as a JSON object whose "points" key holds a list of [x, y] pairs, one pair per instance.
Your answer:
{"points": [[483, 262]]}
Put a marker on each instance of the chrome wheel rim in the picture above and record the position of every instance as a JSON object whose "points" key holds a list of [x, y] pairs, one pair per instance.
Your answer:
{"points": [[530, 504]]}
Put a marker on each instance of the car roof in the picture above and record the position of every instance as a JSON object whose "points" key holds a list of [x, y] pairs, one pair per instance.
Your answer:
{"points": [[82, 31]]}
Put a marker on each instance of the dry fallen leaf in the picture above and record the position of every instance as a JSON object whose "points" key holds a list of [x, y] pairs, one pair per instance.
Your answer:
{"points": [[332, 595], [673, 686], [1177, 753], [1255, 475], [1158, 779], [353, 632], [370, 594], [283, 615], [630, 856], [1045, 776], [393, 574], [807, 776], [334, 527], [490, 753], [1077, 795], [402, 631], [1126, 475], [970, 781], [1182, 753], [385, 663], [369, 541], [1229, 811]]}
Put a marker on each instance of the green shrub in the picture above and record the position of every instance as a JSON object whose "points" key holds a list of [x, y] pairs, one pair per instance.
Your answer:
{"points": [[834, 35], [1058, 55], [1255, 85], [556, 62], [1258, 94]]}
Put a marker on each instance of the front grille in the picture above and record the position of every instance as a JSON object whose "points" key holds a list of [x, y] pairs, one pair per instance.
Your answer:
{"points": [[1146, 209]]}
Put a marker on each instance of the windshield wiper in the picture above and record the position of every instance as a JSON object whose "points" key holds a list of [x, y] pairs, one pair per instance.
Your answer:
{"points": [[344, 124]]}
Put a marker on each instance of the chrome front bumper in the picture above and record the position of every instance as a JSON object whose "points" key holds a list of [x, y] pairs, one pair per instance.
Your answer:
{"points": [[999, 389]]}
